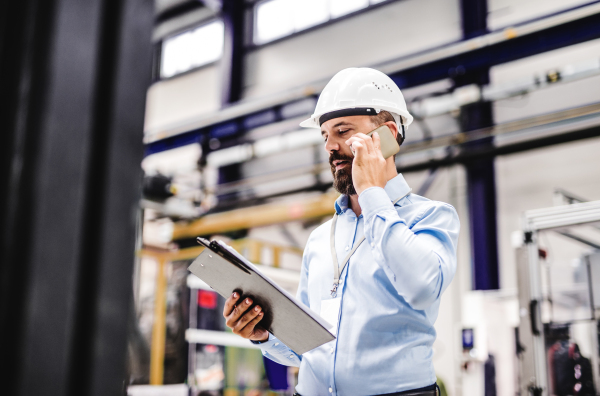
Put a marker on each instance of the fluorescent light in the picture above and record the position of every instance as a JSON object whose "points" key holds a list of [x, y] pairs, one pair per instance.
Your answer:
{"points": [[274, 19], [192, 49], [343, 7]]}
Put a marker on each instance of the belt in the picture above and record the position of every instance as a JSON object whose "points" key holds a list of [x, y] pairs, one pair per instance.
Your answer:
{"points": [[427, 391]]}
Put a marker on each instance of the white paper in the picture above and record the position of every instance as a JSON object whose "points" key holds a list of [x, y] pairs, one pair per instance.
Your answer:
{"points": [[330, 311]]}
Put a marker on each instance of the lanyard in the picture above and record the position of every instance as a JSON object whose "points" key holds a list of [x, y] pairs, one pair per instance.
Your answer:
{"points": [[336, 269]]}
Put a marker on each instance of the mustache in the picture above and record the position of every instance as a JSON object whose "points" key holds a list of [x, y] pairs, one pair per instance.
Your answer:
{"points": [[336, 156]]}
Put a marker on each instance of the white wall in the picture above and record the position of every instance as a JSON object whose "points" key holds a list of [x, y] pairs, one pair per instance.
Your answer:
{"points": [[503, 13], [382, 34], [184, 97]]}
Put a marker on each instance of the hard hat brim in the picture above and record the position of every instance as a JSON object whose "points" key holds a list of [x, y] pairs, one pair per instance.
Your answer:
{"points": [[310, 123], [313, 121]]}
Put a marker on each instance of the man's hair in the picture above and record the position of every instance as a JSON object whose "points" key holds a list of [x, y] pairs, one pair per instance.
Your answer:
{"points": [[384, 116]]}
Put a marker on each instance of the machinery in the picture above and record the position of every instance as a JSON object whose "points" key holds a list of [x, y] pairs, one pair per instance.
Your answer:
{"points": [[558, 303]]}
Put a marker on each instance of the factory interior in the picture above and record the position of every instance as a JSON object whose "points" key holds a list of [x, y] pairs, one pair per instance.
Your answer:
{"points": [[133, 127]]}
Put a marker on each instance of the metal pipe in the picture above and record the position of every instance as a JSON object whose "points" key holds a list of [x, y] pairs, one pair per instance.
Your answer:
{"points": [[577, 238]]}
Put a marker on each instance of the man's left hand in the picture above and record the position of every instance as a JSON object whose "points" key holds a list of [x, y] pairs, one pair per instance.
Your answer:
{"points": [[368, 168]]}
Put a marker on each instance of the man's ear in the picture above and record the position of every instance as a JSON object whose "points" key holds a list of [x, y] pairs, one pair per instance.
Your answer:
{"points": [[393, 127]]}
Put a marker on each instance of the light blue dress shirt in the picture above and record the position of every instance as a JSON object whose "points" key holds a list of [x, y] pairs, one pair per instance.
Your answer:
{"points": [[390, 294]]}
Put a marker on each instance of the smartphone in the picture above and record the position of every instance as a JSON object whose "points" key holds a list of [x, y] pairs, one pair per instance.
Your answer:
{"points": [[389, 145]]}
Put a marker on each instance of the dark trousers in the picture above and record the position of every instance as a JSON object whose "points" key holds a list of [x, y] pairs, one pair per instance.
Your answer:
{"points": [[431, 390]]}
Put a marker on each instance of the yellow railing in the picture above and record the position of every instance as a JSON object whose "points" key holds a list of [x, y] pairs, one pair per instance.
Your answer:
{"points": [[257, 216], [250, 248], [157, 346]]}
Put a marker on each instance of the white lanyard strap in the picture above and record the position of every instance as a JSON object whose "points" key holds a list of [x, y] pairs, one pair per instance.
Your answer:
{"points": [[336, 268]]}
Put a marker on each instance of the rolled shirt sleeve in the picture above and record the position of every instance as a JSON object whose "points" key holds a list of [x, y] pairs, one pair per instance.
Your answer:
{"points": [[418, 257]]}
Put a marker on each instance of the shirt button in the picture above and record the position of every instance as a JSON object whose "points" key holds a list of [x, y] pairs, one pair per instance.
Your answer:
{"points": [[372, 244], [347, 248], [330, 390], [331, 350], [276, 344], [291, 356]]}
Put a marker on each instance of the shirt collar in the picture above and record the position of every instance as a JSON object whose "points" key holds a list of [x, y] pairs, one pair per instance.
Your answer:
{"points": [[395, 188], [341, 204]]}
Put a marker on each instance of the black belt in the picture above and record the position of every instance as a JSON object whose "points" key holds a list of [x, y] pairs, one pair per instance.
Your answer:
{"points": [[431, 390]]}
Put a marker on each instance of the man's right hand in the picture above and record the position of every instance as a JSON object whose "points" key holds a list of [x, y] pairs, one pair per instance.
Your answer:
{"points": [[243, 320]]}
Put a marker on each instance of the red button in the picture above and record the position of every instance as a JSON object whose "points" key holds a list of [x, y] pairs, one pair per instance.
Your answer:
{"points": [[207, 299]]}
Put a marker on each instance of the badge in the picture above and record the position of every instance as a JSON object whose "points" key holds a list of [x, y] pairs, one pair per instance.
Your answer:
{"points": [[330, 311]]}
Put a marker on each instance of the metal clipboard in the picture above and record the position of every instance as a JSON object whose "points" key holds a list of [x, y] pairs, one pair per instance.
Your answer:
{"points": [[226, 271]]}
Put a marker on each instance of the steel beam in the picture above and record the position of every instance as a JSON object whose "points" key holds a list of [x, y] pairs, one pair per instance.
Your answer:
{"points": [[563, 216], [75, 75], [515, 47]]}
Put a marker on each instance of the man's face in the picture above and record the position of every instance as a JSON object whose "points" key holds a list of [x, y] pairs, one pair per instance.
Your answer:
{"points": [[335, 132]]}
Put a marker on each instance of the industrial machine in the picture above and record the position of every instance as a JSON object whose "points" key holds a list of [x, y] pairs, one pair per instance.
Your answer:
{"points": [[558, 269]]}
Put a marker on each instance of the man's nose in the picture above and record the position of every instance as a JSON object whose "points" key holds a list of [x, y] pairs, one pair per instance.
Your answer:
{"points": [[332, 145]]}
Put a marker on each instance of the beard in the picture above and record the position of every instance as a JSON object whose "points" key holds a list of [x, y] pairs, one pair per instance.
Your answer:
{"points": [[342, 179]]}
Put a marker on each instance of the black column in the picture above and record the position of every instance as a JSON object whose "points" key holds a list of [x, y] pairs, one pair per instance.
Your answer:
{"points": [[474, 18], [481, 185], [74, 76], [481, 181], [232, 62]]}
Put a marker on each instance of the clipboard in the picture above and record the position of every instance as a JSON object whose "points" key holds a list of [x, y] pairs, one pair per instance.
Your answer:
{"points": [[226, 271]]}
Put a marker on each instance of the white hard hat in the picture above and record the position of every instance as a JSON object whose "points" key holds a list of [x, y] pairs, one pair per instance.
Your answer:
{"points": [[359, 91]]}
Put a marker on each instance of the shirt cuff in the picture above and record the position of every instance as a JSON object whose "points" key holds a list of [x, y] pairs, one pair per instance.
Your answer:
{"points": [[275, 347], [374, 200], [271, 337]]}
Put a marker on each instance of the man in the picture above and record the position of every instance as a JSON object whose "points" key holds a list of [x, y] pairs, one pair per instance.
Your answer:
{"points": [[384, 302]]}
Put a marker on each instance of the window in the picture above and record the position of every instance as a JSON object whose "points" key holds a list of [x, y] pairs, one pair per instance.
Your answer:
{"points": [[275, 19], [191, 49], [343, 7]]}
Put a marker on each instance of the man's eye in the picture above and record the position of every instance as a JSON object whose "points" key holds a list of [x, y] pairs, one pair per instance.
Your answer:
{"points": [[344, 131]]}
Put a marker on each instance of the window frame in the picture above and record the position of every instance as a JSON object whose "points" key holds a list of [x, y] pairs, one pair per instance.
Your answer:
{"points": [[160, 45]]}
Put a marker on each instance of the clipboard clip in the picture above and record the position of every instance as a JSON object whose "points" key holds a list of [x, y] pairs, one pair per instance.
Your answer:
{"points": [[223, 252], [203, 242]]}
